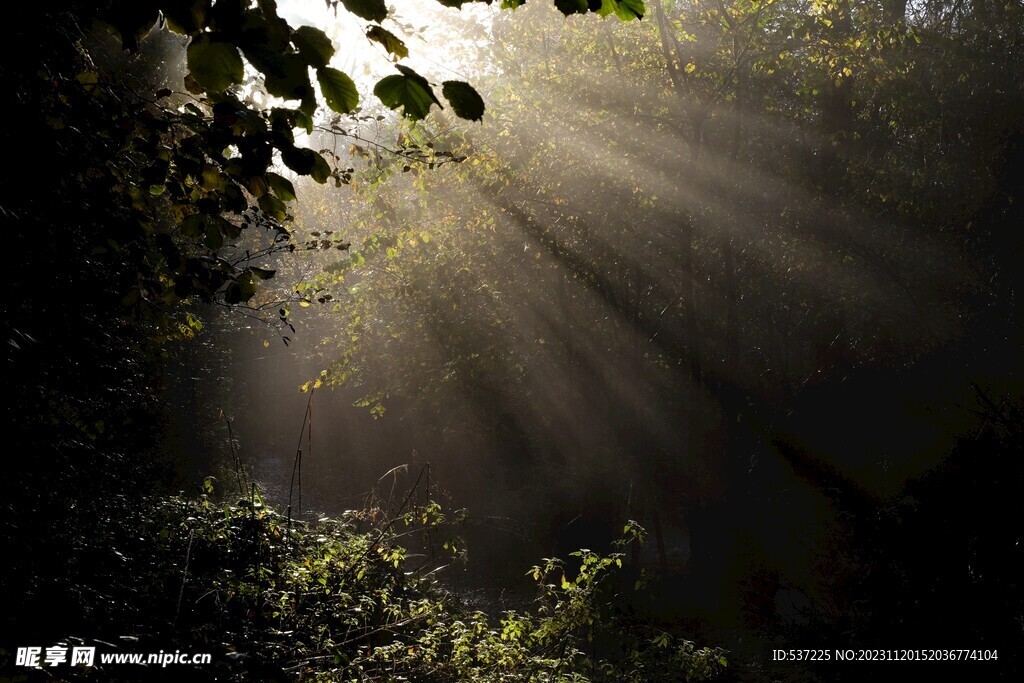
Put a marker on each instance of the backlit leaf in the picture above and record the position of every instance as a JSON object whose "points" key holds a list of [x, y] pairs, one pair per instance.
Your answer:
{"points": [[465, 101], [409, 91], [214, 64], [315, 47], [389, 40], [321, 170], [185, 16], [291, 80], [282, 187], [626, 10], [306, 162], [339, 90], [272, 206], [568, 7], [371, 10]]}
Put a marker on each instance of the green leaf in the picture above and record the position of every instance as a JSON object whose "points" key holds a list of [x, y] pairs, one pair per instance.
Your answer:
{"points": [[512, 4], [186, 16], [631, 9], [214, 64], [315, 48], [371, 10], [227, 228], [266, 60], [193, 226], [291, 81], [272, 206], [306, 162], [568, 7], [214, 240], [246, 286], [339, 90], [282, 187], [626, 10], [321, 170], [389, 40], [304, 120], [257, 185], [410, 91], [465, 101], [299, 159]]}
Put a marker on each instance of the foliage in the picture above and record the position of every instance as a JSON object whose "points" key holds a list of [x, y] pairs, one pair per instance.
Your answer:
{"points": [[769, 108], [191, 167], [340, 600], [727, 215]]}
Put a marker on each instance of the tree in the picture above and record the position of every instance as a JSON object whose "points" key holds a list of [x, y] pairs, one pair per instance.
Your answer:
{"points": [[733, 217], [154, 180]]}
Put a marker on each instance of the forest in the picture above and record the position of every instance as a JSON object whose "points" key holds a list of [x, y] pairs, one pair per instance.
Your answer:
{"points": [[446, 340]]}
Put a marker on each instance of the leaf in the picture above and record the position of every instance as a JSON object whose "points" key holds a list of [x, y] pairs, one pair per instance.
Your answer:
{"points": [[321, 170], [193, 226], [339, 90], [246, 285], [88, 80], [257, 185], [214, 240], [186, 16], [227, 228], [306, 162], [465, 101], [371, 10], [315, 48], [211, 178], [626, 10], [272, 206], [214, 64], [132, 21], [568, 7], [389, 40], [410, 91], [291, 81], [282, 187]]}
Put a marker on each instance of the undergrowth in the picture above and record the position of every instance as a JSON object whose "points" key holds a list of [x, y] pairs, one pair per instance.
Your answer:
{"points": [[341, 599]]}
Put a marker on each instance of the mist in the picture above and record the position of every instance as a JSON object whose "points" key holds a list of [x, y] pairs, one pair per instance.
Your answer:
{"points": [[689, 303], [741, 275]]}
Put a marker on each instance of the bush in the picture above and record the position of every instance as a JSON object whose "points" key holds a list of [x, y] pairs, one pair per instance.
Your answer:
{"points": [[278, 599]]}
